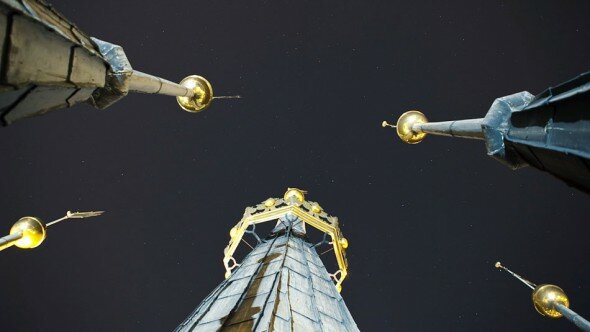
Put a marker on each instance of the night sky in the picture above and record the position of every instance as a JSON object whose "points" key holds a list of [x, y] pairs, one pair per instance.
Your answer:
{"points": [[425, 222]]}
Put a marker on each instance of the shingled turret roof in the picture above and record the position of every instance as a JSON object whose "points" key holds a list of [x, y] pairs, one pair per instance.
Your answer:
{"points": [[281, 285]]}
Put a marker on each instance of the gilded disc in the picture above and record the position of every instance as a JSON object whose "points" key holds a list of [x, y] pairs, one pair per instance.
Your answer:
{"points": [[33, 231], [404, 127], [545, 298], [203, 94]]}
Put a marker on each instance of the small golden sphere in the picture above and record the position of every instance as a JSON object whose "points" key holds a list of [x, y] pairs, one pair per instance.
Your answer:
{"points": [[270, 202], [294, 196], [545, 297], [404, 127], [203, 94], [33, 231], [227, 274], [233, 232], [316, 208], [344, 243]]}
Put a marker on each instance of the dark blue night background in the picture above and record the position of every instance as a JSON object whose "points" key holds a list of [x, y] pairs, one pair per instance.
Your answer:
{"points": [[425, 223]]}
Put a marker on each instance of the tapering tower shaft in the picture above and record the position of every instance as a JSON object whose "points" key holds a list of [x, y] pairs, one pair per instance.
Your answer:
{"points": [[8, 240], [47, 63], [282, 284], [146, 83], [461, 128], [551, 301], [550, 131], [573, 317]]}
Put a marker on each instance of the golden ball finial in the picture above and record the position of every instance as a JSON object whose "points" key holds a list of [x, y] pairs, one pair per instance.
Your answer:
{"points": [[203, 94], [316, 208], [33, 231], [294, 196], [545, 297], [270, 202], [344, 242], [404, 127], [498, 265]]}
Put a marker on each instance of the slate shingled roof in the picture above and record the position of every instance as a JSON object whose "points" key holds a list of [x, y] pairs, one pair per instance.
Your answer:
{"points": [[552, 132], [282, 285], [48, 63]]}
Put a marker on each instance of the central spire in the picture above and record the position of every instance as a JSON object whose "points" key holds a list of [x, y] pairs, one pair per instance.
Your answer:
{"points": [[282, 284]]}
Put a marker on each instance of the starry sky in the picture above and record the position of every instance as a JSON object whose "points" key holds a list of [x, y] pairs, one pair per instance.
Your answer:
{"points": [[425, 223]]}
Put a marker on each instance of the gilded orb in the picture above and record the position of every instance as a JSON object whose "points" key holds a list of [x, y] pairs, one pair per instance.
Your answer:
{"points": [[344, 243], [404, 127], [545, 297], [203, 94], [270, 202], [33, 231], [294, 196], [316, 208]]}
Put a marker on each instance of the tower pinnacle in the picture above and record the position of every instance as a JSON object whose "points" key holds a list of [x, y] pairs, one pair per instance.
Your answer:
{"points": [[548, 131], [50, 64], [282, 284], [550, 301], [30, 232]]}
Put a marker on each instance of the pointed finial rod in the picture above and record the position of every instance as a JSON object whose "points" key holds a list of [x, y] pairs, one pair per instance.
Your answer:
{"points": [[551, 301], [531, 285], [386, 124], [29, 232], [228, 97], [75, 215]]}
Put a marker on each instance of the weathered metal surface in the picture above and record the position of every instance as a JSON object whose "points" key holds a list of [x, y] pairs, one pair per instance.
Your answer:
{"points": [[146, 83], [35, 54], [85, 70], [282, 285], [10, 97], [572, 316], [39, 100], [497, 123], [470, 128], [552, 132], [46, 14], [46, 64], [117, 79], [42, 49], [14, 5], [3, 32], [81, 95]]}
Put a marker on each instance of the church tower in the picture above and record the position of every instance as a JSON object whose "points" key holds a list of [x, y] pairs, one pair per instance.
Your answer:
{"points": [[282, 284]]}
